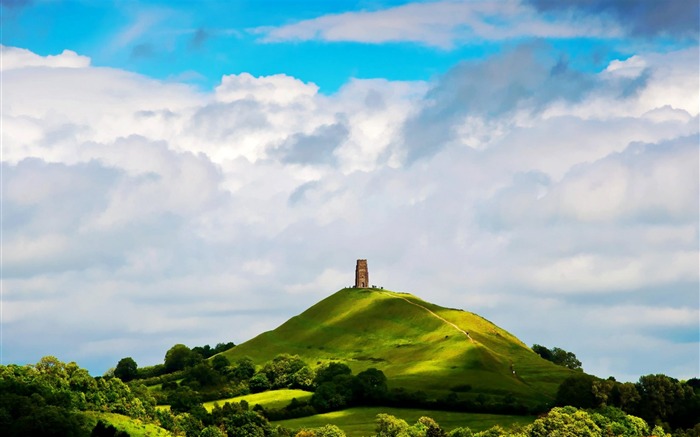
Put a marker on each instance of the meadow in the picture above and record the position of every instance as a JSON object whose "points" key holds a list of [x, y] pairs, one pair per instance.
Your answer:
{"points": [[269, 399], [360, 421]]}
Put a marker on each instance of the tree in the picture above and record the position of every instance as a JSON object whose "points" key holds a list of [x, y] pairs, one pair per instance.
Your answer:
{"points": [[577, 391], [558, 356], [370, 386], [329, 431], [178, 357], [244, 370], [566, 359], [330, 371], [203, 374], [664, 399], [126, 369], [543, 351], [211, 431], [183, 400], [565, 421], [259, 383], [390, 426], [431, 427], [220, 362], [281, 369]]}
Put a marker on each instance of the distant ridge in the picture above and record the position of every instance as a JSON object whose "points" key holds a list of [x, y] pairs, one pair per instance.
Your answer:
{"points": [[418, 345]]}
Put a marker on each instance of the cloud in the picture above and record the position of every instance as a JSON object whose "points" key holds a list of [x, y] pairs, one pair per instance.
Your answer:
{"points": [[441, 24], [645, 18], [315, 148], [140, 213], [16, 58]]}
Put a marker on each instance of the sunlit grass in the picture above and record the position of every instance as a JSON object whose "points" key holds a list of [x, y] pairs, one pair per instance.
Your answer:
{"points": [[134, 427], [415, 349], [357, 422], [269, 399]]}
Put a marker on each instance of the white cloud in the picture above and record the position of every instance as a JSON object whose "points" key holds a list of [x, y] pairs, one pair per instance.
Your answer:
{"points": [[14, 58], [441, 24], [160, 214]]}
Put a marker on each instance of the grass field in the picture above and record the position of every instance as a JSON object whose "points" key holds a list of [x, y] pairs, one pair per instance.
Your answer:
{"points": [[358, 422], [269, 399], [418, 346], [134, 427]]}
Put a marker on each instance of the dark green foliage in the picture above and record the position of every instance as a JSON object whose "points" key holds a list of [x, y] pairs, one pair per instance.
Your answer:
{"points": [[281, 370], [45, 399], [543, 351], [183, 400], [330, 371], [126, 369], [331, 396], [180, 356], [558, 356], [219, 363], [247, 424], [207, 351], [107, 430], [259, 383], [431, 427], [244, 369], [370, 387], [658, 399], [577, 391], [203, 375], [665, 399], [151, 371]]}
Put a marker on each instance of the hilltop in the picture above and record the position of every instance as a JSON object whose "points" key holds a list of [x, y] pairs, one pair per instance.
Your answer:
{"points": [[418, 346]]}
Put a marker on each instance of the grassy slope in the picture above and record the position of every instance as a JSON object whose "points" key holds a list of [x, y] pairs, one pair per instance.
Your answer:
{"points": [[134, 427], [269, 399], [357, 422], [395, 333]]}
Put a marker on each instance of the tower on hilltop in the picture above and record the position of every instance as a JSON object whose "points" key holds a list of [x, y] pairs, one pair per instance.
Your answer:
{"points": [[361, 274]]}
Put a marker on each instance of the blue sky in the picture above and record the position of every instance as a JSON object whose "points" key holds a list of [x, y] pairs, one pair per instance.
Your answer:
{"points": [[176, 41], [198, 172]]}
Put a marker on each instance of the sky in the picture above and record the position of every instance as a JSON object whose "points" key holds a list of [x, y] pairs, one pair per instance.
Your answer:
{"points": [[199, 172]]}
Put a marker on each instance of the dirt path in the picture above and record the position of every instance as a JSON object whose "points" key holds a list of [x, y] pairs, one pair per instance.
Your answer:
{"points": [[433, 314]]}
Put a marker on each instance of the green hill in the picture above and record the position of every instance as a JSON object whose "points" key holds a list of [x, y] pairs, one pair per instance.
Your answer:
{"points": [[418, 345]]}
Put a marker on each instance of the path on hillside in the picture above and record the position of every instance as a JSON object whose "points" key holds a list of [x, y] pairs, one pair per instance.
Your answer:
{"points": [[434, 315]]}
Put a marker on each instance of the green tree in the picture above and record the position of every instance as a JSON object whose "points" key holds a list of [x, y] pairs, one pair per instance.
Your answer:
{"points": [[565, 421], [126, 369], [558, 356], [461, 432], [577, 391], [220, 362], [566, 359], [281, 369], [370, 386], [247, 424], [663, 398], [212, 431], [431, 427], [329, 431], [178, 357], [203, 374], [330, 371], [303, 379], [390, 426], [183, 400], [259, 383], [244, 369]]}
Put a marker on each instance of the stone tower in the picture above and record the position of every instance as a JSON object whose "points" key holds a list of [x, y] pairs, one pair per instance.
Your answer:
{"points": [[361, 274]]}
